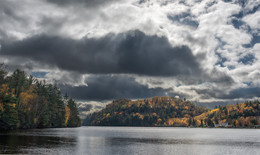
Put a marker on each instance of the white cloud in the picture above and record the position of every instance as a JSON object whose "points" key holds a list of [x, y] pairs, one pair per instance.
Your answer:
{"points": [[253, 20], [214, 36], [250, 5]]}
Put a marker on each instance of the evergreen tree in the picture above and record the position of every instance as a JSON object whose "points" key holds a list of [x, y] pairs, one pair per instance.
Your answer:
{"points": [[9, 115], [74, 119], [26, 102], [2, 73], [201, 123], [193, 122], [210, 123]]}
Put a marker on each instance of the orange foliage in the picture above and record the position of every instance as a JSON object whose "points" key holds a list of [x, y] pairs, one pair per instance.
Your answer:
{"points": [[28, 97], [159, 120], [186, 107], [187, 115], [67, 115], [169, 122]]}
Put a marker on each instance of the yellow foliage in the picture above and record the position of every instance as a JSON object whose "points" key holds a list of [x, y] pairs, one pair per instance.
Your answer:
{"points": [[178, 121], [237, 123], [35, 120], [4, 89], [67, 115], [214, 110], [204, 115], [12, 104], [27, 97], [2, 107]]}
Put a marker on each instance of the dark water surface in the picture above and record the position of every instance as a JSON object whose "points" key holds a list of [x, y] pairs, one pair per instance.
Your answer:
{"points": [[131, 140]]}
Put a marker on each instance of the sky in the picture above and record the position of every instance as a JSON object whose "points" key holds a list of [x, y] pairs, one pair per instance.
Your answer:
{"points": [[207, 51]]}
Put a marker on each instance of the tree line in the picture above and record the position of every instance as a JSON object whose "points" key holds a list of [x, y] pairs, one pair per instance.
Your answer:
{"points": [[26, 102], [168, 111]]}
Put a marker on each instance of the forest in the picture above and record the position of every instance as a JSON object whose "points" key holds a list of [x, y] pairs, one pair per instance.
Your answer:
{"points": [[168, 111], [26, 102]]}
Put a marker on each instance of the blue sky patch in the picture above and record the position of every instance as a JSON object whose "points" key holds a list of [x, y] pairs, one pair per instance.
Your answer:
{"points": [[247, 60], [39, 74]]}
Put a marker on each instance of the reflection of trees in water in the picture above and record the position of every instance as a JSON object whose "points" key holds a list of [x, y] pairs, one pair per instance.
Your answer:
{"points": [[19, 143], [127, 141]]}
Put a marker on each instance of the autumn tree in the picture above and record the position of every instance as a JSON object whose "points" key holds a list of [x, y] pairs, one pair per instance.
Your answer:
{"points": [[74, 119], [26, 102]]}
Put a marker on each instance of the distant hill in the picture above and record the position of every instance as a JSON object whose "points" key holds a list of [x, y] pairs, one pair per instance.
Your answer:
{"points": [[245, 114], [168, 111]]}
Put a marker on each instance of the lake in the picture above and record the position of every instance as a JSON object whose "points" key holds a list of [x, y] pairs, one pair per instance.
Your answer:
{"points": [[131, 140]]}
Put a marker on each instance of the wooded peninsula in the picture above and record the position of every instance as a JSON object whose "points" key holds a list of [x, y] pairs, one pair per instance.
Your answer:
{"points": [[26, 102]]}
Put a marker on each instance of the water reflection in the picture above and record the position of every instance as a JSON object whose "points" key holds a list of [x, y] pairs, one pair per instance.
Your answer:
{"points": [[115, 140], [24, 141], [128, 141]]}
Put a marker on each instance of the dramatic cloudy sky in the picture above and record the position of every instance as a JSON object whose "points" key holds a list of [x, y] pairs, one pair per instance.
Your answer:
{"points": [[100, 50]]}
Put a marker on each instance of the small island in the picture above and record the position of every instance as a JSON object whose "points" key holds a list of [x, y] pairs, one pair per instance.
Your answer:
{"points": [[174, 112]]}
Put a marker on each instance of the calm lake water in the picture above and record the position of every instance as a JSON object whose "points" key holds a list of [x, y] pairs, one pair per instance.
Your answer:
{"points": [[131, 140]]}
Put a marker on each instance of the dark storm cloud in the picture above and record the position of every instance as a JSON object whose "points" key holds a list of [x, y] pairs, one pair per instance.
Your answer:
{"points": [[108, 87], [221, 78], [9, 9], [131, 52], [9, 13], [245, 93], [9, 17], [86, 3]]}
